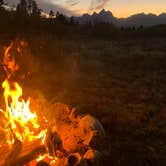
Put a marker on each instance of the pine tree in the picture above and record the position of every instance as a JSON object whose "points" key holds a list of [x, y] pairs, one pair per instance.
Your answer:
{"points": [[60, 17], [22, 7], [30, 6], [1, 2], [51, 14], [35, 10]]}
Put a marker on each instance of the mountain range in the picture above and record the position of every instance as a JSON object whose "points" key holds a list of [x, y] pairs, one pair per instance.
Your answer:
{"points": [[105, 16], [137, 20]]}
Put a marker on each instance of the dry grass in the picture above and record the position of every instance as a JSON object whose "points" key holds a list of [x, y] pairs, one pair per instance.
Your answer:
{"points": [[122, 83]]}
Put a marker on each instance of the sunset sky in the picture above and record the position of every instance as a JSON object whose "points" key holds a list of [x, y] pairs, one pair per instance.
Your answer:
{"points": [[119, 8]]}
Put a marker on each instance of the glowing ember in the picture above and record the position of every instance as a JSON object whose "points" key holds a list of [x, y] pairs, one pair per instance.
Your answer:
{"points": [[68, 138], [29, 142]]}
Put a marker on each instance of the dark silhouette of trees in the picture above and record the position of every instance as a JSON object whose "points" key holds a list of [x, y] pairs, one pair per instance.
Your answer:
{"points": [[140, 27], [51, 14], [28, 8], [1, 2], [35, 10], [60, 18], [72, 21], [1, 7], [27, 15], [27, 18], [22, 8]]}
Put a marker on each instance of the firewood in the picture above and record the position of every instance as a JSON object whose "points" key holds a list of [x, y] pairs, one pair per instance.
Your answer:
{"points": [[20, 161], [28, 147], [20, 154], [16, 149], [4, 152], [53, 142]]}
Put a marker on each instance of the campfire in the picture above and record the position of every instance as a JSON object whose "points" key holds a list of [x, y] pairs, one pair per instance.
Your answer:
{"points": [[66, 139]]}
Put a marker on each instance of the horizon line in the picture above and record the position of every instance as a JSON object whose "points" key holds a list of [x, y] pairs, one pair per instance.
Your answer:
{"points": [[79, 14], [122, 17]]}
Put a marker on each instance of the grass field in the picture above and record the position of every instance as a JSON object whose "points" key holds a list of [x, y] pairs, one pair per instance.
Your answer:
{"points": [[122, 83]]}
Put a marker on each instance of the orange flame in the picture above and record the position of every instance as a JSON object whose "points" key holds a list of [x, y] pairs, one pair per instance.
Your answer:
{"points": [[9, 61], [21, 121]]}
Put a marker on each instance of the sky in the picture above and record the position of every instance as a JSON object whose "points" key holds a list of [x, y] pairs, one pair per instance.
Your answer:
{"points": [[119, 8]]}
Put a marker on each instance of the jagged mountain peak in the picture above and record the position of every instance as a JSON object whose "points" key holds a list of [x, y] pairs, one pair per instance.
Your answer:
{"points": [[104, 12], [102, 16], [105, 16]]}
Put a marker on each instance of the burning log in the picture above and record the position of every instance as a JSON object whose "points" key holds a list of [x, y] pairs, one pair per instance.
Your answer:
{"points": [[4, 152], [69, 138], [79, 141], [54, 143], [74, 159], [21, 154], [83, 139], [93, 157], [21, 160], [16, 149], [42, 163]]}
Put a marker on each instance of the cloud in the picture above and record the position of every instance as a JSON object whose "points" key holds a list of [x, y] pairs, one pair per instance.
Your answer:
{"points": [[98, 4], [65, 6], [94, 4], [72, 2], [48, 5], [12, 2]]}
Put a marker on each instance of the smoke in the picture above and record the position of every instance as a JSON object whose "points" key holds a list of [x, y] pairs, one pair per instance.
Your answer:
{"points": [[94, 4]]}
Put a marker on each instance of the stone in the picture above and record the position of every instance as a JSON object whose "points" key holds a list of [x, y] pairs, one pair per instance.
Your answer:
{"points": [[93, 157]]}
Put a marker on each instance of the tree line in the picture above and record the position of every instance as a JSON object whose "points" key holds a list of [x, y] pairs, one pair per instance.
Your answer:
{"points": [[27, 18]]}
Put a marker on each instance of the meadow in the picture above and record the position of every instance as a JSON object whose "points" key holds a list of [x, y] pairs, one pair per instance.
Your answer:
{"points": [[120, 82]]}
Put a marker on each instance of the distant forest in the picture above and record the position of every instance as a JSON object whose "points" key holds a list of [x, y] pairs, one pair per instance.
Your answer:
{"points": [[27, 19]]}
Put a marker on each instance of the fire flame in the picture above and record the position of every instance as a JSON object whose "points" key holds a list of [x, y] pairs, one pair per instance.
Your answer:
{"points": [[20, 122], [10, 65]]}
